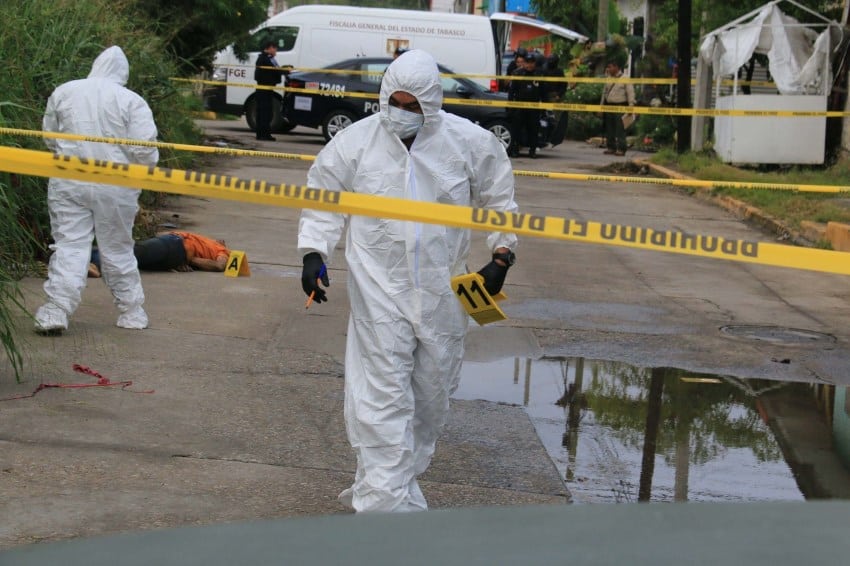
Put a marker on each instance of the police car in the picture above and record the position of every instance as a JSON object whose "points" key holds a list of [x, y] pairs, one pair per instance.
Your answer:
{"points": [[332, 110]]}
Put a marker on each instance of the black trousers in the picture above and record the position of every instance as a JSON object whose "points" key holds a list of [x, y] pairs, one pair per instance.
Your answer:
{"points": [[615, 133], [525, 127], [160, 253], [265, 99]]}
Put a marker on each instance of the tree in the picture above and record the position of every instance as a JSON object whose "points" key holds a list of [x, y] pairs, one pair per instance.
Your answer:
{"points": [[709, 15], [193, 31], [579, 15]]}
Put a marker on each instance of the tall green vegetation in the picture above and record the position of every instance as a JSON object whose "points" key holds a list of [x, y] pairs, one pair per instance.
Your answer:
{"points": [[13, 260], [45, 43]]}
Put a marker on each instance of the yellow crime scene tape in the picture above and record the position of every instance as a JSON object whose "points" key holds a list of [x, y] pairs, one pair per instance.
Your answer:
{"points": [[689, 183], [161, 145], [574, 107], [198, 183], [546, 78]]}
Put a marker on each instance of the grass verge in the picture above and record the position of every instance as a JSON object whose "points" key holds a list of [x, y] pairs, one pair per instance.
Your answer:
{"points": [[789, 207]]}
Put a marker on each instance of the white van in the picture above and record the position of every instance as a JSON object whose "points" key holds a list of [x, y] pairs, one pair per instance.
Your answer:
{"points": [[314, 36]]}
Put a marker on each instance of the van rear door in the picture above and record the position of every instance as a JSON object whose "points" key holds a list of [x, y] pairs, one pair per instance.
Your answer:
{"points": [[507, 20], [501, 39]]}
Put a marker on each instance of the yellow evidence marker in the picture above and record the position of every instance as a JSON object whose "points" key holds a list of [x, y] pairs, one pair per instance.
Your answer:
{"points": [[237, 264], [480, 305]]}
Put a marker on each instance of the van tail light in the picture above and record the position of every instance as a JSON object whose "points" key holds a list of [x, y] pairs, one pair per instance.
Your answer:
{"points": [[494, 85]]}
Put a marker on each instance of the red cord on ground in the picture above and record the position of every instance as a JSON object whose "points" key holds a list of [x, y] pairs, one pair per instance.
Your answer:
{"points": [[101, 382]]}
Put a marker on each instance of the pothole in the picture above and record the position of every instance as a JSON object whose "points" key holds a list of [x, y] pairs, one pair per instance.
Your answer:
{"points": [[779, 335], [625, 168]]}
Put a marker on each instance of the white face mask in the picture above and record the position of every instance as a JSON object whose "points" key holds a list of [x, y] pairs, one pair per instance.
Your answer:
{"points": [[403, 123]]}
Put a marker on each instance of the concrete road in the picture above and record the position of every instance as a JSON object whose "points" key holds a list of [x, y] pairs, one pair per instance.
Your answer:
{"points": [[246, 418], [645, 308]]}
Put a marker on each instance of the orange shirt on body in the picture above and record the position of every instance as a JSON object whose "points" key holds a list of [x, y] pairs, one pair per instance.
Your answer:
{"points": [[202, 247]]}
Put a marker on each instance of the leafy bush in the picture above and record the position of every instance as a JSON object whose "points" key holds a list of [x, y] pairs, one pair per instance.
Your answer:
{"points": [[583, 125], [655, 130]]}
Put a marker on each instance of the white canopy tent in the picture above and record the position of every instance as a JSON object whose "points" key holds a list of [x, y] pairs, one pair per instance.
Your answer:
{"points": [[799, 61]]}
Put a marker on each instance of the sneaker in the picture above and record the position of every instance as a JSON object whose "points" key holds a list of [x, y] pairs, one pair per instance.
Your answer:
{"points": [[609, 152], [50, 320], [134, 319], [347, 497]]}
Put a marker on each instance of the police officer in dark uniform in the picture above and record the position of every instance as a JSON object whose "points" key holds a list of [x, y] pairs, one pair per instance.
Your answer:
{"points": [[265, 96], [555, 91], [525, 123], [516, 63], [519, 58]]}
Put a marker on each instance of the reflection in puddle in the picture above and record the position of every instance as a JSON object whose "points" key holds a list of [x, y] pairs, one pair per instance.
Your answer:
{"points": [[619, 433]]}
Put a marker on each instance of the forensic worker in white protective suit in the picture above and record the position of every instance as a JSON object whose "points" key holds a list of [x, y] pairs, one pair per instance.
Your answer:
{"points": [[100, 106], [406, 329]]}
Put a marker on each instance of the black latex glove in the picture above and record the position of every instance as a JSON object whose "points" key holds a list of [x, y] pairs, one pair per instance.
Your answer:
{"points": [[315, 270], [494, 276]]}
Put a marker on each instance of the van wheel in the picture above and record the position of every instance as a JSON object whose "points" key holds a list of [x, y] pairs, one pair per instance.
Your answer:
{"points": [[279, 122], [502, 131], [335, 122]]}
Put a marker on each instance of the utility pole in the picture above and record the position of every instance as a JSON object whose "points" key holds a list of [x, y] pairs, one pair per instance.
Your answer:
{"points": [[683, 82], [602, 23]]}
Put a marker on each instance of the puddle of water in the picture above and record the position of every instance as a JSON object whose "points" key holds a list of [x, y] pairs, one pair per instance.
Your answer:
{"points": [[715, 437]]}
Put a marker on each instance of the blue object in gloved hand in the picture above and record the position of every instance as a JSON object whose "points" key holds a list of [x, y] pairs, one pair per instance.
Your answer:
{"points": [[313, 272], [494, 276]]}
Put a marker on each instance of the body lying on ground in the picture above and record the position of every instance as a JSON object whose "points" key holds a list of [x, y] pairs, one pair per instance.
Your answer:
{"points": [[174, 251]]}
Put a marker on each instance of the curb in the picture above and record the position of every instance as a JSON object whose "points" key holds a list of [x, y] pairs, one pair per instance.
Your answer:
{"points": [[809, 237], [838, 234]]}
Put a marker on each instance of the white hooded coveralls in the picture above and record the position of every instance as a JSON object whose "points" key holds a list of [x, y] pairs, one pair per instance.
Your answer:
{"points": [[406, 329], [80, 210]]}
